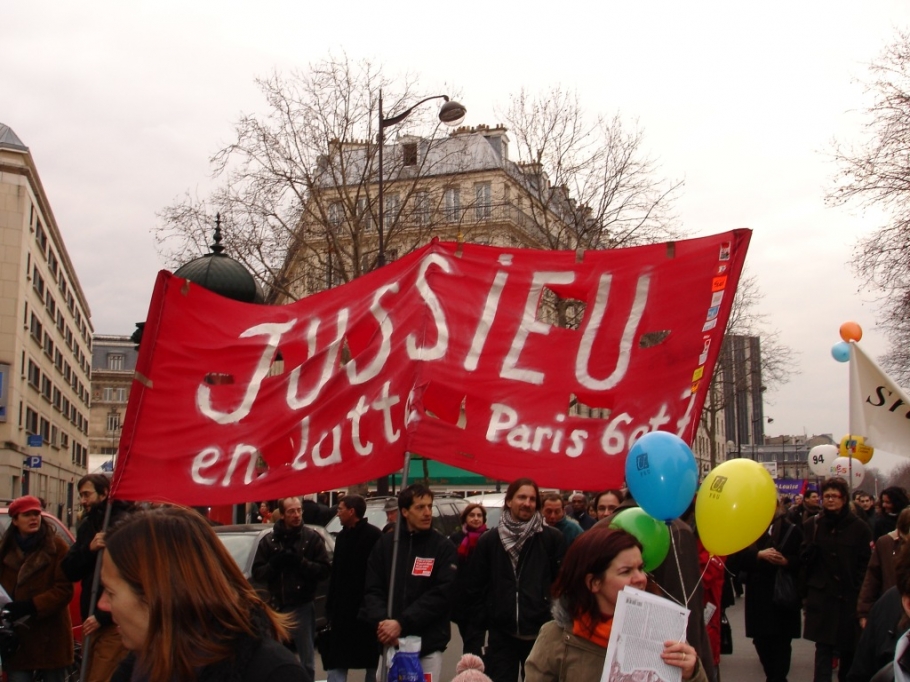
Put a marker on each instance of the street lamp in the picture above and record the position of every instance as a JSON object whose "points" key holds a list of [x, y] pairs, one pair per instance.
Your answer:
{"points": [[450, 113]]}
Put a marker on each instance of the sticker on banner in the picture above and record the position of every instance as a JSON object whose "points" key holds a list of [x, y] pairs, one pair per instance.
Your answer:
{"points": [[709, 325], [719, 283], [725, 251], [716, 298]]}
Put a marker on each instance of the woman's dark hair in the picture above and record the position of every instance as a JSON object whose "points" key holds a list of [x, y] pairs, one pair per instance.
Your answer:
{"points": [[590, 554], [199, 603], [467, 510], [9, 537], [898, 498], [838, 484]]}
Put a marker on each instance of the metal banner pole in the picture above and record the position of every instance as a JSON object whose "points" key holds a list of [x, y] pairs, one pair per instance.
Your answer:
{"points": [[383, 670], [96, 581]]}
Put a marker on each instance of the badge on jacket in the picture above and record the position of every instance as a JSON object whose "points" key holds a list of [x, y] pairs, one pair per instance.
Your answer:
{"points": [[423, 568]]}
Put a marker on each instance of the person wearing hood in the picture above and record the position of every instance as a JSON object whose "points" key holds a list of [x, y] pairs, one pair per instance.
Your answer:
{"points": [[573, 646], [106, 648], [291, 560], [834, 553]]}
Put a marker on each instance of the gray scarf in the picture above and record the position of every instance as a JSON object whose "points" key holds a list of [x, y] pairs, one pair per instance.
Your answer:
{"points": [[514, 534]]}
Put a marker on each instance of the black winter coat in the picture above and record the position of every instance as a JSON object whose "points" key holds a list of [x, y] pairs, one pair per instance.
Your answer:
{"points": [[513, 601], [291, 563], [763, 618], [79, 562], [424, 578], [834, 554], [884, 626], [255, 660], [352, 644]]}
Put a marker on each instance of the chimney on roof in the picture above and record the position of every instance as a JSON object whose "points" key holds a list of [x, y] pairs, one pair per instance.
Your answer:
{"points": [[498, 139]]}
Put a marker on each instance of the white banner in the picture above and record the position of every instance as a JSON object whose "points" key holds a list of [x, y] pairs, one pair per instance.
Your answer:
{"points": [[879, 408]]}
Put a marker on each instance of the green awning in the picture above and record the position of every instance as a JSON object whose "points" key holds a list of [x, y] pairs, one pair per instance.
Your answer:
{"points": [[441, 474]]}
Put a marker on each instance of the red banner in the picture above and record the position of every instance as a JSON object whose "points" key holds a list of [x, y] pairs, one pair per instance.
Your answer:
{"points": [[448, 352]]}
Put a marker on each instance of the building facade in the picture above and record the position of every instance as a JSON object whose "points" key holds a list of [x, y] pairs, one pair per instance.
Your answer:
{"points": [[113, 365], [45, 343]]}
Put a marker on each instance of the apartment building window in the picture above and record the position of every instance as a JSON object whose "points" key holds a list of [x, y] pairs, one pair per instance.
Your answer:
{"points": [[41, 237], [50, 304], [115, 361], [31, 420], [38, 282], [54, 432], [60, 323], [409, 153], [57, 399], [422, 207], [64, 440], [392, 208], [452, 199], [58, 360], [336, 213], [46, 387], [363, 214], [107, 394], [36, 328], [48, 345], [52, 263], [45, 429], [483, 201], [34, 374], [113, 422]]}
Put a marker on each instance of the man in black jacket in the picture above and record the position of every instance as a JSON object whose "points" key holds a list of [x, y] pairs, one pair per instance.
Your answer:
{"points": [[291, 560], [509, 580], [424, 577], [351, 643], [107, 649]]}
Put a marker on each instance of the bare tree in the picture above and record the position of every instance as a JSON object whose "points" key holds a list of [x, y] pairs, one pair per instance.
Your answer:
{"points": [[876, 172], [593, 183], [294, 191], [737, 372]]}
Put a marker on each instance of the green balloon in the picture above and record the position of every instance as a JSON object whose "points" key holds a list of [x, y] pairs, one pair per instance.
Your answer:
{"points": [[653, 535]]}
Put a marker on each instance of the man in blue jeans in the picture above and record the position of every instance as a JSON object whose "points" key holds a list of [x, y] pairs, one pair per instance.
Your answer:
{"points": [[291, 560]]}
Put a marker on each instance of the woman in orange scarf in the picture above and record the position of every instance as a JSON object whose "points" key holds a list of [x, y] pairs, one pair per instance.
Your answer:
{"points": [[574, 645]]}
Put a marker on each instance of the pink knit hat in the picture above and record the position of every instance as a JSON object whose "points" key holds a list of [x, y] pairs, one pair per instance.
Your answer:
{"points": [[470, 669]]}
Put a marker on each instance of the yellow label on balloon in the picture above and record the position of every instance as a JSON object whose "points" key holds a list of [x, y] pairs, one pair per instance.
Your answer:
{"points": [[735, 505], [854, 446]]}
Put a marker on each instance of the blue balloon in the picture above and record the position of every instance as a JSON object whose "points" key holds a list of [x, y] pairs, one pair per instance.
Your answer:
{"points": [[662, 474], [841, 351]]}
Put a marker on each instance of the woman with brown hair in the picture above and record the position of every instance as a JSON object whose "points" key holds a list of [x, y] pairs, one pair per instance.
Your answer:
{"points": [[184, 609], [574, 645]]}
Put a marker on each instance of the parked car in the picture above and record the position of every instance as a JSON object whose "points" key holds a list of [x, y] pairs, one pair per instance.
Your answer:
{"points": [[63, 532], [446, 513], [242, 541]]}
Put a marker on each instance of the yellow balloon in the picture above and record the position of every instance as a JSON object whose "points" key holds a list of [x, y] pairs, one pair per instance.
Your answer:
{"points": [[854, 446], [735, 505]]}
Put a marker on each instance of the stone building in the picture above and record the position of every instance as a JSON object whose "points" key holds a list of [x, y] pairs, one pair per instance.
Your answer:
{"points": [[113, 364], [45, 343]]}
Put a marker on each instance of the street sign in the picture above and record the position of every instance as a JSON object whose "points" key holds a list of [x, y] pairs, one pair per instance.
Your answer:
{"points": [[35, 440], [33, 462]]}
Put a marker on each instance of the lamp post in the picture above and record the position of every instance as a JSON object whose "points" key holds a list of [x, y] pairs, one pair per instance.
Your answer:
{"points": [[450, 113]]}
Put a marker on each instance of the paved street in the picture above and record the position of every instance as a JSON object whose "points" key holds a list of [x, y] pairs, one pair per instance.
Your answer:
{"points": [[741, 666]]}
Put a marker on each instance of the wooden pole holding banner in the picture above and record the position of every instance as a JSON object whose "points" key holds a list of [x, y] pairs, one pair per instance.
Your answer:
{"points": [[383, 671], [96, 581]]}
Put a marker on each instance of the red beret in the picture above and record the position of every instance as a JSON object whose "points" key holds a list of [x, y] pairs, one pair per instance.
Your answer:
{"points": [[24, 504]]}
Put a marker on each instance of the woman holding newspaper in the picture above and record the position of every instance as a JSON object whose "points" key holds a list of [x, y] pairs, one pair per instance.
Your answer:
{"points": [[573, 646]]}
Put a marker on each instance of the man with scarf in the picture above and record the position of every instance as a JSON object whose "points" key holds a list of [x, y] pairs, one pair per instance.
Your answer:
{"points": [[107, 649], [509, 580], [291, 560]]}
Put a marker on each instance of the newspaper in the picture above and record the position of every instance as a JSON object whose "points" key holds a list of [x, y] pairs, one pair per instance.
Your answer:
{"points": [[641, 624]]}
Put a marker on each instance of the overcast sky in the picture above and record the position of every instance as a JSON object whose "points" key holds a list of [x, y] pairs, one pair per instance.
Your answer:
{"points": [[121, 104]]}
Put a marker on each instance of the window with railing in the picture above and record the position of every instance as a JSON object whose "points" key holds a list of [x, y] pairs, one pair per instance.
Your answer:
{"points": [[483, 201], [392, 208], [422, 207], [452, 201]]}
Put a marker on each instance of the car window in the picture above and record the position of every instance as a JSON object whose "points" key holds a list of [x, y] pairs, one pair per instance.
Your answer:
{"points": [[241, 547]]}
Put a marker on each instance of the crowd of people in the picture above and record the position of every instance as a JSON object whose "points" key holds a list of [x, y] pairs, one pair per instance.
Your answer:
{"points": [[533, 597]]}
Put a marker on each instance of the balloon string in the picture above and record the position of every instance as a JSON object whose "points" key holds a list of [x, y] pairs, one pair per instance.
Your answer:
{"points": [[682, 582]]}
